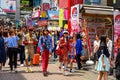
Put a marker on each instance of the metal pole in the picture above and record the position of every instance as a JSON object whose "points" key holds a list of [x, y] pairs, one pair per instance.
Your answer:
{"points": [[17, 13]]}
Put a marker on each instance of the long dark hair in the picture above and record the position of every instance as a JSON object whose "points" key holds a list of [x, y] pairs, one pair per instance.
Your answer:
{"points": [[103, 47]]}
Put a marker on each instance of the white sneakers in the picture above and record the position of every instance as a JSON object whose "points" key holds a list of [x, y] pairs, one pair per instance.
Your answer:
{"points": [[72, 70], [22, 65], [65, 73]]}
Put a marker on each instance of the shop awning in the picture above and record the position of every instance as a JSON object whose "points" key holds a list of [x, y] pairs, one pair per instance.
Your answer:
{"points": [[97, 9]]}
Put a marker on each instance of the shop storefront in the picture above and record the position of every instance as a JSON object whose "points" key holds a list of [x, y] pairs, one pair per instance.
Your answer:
{"points": [[90, 20]]}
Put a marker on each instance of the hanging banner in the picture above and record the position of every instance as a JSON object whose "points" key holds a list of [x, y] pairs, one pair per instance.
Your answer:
{"points": [[61, 17], [75, 19], [116, 32]]}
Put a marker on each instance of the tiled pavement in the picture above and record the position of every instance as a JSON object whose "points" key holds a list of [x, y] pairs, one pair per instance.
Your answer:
{"points": [[53, 74]]}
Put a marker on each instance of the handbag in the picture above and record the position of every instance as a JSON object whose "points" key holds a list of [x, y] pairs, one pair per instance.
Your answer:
{"points": [[25, 42]]}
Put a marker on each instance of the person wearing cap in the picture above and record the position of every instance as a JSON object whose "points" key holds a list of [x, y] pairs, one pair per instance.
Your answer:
{"points": [[63, 58], [45, 44], [29, 40]]}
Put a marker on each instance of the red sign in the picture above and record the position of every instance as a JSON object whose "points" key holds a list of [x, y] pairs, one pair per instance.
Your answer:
{"points": [[63, 3], [42, 23], [45, 6], [74, 2]]}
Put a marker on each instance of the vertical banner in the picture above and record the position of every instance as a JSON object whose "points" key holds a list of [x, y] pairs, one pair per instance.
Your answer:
{"points": [[61, 17], [116, 32], [75, 19]]}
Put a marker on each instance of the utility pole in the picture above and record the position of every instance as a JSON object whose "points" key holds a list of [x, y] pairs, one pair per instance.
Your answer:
{"points": [[17, 13]]}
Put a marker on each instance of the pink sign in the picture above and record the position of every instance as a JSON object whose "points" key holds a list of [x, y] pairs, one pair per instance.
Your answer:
{"points": [[36, 14], [66, 14], [116, 32]]}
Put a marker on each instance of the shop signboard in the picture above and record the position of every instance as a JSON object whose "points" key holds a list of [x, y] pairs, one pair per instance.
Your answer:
{"points": [[116, 32], [43, 14], [8, 5], [36, 14], [45, 6], [54, 15], [74, 2], [46, 1], [63, 3], [42, 23], [74, 19], [92, 1]]}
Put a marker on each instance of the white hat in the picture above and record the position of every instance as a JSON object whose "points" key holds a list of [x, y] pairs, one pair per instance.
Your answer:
{"points": [[65, 32]]}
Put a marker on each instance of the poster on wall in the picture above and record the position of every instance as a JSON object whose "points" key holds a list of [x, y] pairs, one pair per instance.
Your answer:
{"points": [[116, 32], [8, 5], [74, 19]]}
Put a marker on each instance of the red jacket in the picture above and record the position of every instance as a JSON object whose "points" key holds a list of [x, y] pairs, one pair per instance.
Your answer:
{"points": [[64, 46]]}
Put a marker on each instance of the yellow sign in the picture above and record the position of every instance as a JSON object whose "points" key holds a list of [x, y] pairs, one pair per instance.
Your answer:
{"points": [[66, 26], [61, 17], [43, 14]]}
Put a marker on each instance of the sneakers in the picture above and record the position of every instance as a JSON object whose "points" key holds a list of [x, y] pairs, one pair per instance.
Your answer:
{"points": [[65, 73], [72, 70], [15, 70], [59, 71], [22, 65], [29, 70]]}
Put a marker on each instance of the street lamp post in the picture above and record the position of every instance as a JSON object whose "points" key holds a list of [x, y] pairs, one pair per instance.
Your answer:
{"points": [[17, 14]]}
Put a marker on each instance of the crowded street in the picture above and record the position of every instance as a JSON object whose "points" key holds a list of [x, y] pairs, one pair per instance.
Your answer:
{"points": [[83, 74], [59, 39]]}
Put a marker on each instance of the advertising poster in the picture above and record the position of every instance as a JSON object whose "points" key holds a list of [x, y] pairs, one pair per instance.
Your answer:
{"points": [[54, 15], [116, 32], [74, 19], [8, 5]]}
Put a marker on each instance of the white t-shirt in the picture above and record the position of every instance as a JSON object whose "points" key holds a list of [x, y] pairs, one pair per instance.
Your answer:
{"points": [[109, 45], [96, 44]]}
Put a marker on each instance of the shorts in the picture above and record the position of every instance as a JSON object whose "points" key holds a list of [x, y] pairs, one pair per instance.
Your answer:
{"points": [[71, 56], [29, 51]]}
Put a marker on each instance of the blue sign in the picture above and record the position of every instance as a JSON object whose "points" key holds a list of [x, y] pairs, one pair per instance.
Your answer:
{"points": [[54, 15], [92, 1]]}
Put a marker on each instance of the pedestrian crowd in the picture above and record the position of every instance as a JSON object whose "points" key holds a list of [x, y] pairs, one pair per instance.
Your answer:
{"points": [[28, 42]]}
